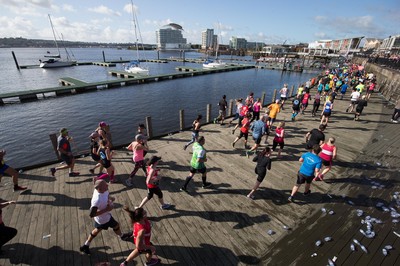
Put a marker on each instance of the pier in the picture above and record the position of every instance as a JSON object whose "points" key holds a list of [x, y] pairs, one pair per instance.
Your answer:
{"points": [[220, 226], [72, 86]]}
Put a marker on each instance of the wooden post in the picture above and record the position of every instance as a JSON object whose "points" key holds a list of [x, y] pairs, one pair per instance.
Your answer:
{"points": [[149, 127], [274, 96], [181, 119], [208, 113], [15, 60], [230, 108], [291, 91], [104, 57], [53, 139], [263, 99]]}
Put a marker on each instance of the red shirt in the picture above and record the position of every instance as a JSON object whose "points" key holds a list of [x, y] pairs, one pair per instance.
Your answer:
{"points": [[245, 125], [244, 110], [137, 227], [278, 136]]}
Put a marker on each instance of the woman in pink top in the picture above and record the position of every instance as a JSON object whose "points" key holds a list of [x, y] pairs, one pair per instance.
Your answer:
{"points": [[279, 138], [138, 149], [256, 110], [327, 154]]}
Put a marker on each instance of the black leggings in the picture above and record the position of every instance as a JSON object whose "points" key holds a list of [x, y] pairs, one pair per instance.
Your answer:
{"points": [[138, 165], [6, 234]]}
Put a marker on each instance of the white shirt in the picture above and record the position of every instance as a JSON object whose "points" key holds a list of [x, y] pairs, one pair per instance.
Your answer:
{"points": [[355, 95], [100, 200]]}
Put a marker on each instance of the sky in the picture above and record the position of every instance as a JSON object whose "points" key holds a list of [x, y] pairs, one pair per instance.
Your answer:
{"points": [[267, 21]]}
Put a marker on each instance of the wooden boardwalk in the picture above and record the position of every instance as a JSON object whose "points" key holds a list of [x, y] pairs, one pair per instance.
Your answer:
{"points": [[220, 226]]}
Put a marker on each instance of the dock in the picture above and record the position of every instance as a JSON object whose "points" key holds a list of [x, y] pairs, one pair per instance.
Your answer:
{"points": [[71, 85], [220, 225]]}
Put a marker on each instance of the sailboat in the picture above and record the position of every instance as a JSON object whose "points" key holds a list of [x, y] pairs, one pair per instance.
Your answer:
{"points": [[216, 63], [134, 66], [54, 60]]}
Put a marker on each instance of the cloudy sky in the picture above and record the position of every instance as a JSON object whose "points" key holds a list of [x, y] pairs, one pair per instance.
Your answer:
{"points": [[265, 21]]}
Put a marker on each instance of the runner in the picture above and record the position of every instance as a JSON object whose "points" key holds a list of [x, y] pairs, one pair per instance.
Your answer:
{"points": [[222, 110], [355, 95], [105, 156], [256, 109], [283, 92], [279, 138], [258, 130], [101, 206], [315, 136], [138, 148], [396, 112], [94, 147], [327, 154], [141, 237], [6, 169], [360, 107], [64, 148], [244, 111], [6, 233], [370, 90], [152, 182], [311, 164], [263, 164], [304, 101], [195, 131], [197, 164], [326, 112], [343, 90], [239, 105], [316, 104], [244, 131], [274, 109], [295, 107]]}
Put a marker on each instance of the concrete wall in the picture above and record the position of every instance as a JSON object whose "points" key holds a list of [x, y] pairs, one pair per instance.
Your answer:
{"points": [[388, 80]]}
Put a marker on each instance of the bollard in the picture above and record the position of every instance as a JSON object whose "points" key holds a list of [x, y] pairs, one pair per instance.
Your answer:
{"points": [[263, 99], [53, 139], [291, 91], [104, 57], [230, 108], [208, 119], [109, 137], [181, 119], [274, 96], [149, 127]]}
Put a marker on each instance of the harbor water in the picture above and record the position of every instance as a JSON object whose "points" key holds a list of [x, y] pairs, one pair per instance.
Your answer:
{"points": [[25, 128]]}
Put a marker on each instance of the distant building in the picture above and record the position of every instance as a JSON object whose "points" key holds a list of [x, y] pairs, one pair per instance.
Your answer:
{"points": [[237, 43], [207, 39], [371, 44], [275, 49], [340, 47], [254, 46], [390, 45], [170, 37]]}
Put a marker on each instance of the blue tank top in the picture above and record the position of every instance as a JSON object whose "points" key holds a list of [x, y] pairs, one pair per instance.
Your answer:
{"points": [[328, 107]]}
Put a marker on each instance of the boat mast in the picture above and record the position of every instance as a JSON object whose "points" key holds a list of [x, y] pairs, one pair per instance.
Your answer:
{"points": [[54, 34], [134, 25]]}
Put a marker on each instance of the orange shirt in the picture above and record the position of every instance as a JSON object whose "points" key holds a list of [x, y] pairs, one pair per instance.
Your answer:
{"points": [[274, 109]]}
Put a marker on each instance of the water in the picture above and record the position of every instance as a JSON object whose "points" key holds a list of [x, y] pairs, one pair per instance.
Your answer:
{"points": [[25, 128]]}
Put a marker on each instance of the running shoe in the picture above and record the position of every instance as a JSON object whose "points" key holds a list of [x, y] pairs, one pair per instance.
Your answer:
{"points": [[247, 154], [233, 144], [153, 262], [290, 199], [53, 171], [91, 171], [185, 147], [19, 188], [128, 182], [250, 197], [307, 193], [233, 131], [85, 249], [127, 236], [165, 206], [206, 185], [183, 189]]}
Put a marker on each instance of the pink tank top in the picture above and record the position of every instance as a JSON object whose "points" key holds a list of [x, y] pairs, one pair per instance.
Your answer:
{"points": [[138, 155]]}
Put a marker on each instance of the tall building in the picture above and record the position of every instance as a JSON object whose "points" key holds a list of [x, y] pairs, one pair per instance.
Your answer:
{"points": [[170, 37], [207, 39]]}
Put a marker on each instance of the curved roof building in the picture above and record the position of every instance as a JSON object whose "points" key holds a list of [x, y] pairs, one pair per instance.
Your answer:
{"points": [[169, 37]]}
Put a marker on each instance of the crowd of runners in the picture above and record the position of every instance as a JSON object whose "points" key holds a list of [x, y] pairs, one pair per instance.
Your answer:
{"points": [[250, 118]]}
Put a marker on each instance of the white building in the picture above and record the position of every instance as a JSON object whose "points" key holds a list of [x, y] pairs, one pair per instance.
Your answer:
{"points": [[207, 39], [390, 45], [170, 37]]}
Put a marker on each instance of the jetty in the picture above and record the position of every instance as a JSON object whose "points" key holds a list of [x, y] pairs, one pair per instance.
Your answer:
{"points": [[220, 225], [71, 85]]}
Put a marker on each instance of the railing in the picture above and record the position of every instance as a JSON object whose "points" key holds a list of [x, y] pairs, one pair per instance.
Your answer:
{"points": [[393, 63]]}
